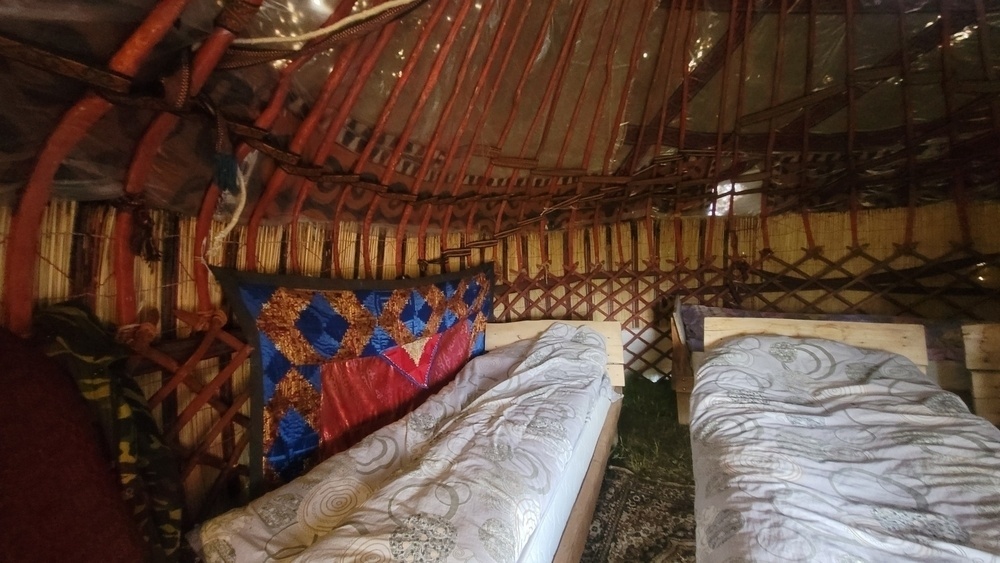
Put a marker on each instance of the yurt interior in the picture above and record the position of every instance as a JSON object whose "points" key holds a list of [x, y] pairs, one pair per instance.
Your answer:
{"points": [[497, 280]]}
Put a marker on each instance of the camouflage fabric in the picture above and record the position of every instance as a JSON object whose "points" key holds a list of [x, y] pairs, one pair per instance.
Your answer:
{"points": [[147, 467]]}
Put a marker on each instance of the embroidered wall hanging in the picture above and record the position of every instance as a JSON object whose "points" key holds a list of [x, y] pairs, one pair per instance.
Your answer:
{"points": [[335, 360]]}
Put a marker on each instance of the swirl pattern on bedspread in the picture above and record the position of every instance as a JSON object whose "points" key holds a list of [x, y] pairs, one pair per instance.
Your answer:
{"points": [[464, 477], [813, 450]]}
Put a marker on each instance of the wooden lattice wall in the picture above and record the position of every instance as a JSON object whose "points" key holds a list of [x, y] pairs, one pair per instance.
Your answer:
{"points": [[921, 262]]}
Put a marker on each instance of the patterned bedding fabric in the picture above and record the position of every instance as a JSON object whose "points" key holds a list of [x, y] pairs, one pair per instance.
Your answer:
{"points": [[464, 477], [812, 450], [944, 336]]}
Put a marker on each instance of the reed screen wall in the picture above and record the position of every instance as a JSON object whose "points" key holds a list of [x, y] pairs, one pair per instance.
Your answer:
{"points": [[892, 262]]}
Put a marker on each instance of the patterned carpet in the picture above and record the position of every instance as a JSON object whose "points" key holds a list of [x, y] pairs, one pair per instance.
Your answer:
{"points": [[639, 519], [645, 512]]}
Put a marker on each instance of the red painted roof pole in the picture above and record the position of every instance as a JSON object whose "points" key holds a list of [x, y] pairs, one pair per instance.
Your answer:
{"points": [[345, 109], [404, 136], [404, 77], [477, 130], [74, 124], [274, 183], [552, 92], [265, 120], [236, 14], [421, 173], [303, 133], [302, 186], [553, 184]]}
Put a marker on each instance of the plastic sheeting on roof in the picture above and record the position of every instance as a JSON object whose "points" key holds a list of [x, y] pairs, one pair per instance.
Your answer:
{"points": [[494, 114]]}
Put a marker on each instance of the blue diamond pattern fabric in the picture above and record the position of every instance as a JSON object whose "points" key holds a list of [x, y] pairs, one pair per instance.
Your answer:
{"points": [[300, 325], [417, 314], [322, 326], [379, 342], [295, 443]]}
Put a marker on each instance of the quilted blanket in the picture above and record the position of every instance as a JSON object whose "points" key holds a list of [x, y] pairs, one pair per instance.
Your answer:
{"points": [[812, 450], [464, 477]]}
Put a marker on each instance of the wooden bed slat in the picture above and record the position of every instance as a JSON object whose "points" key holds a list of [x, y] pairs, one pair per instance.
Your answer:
{"points": [[905, 339]]}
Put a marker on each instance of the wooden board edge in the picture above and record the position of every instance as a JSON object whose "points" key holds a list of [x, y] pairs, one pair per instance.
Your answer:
{"points": [[908, 340], [982, 346]]}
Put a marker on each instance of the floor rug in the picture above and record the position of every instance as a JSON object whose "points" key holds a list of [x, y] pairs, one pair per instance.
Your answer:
{"points": [[641, 520]]}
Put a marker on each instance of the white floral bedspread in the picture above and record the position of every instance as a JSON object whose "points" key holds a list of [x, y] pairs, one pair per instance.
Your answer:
{"points": [[812, 450], [464, 477]]}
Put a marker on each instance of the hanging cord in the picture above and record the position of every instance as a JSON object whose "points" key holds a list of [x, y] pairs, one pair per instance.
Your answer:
{"points": [[330, 29], [362, 23], [242, 175]]}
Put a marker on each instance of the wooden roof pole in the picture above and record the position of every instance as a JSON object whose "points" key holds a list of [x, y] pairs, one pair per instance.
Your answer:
{"points": [[421, 173], [721, 121], [303, 134], [379, 128], [264, 121], [779, 68], [924, 40], [852, 120], [24, 228], [740, 99], [277, 179], [697, 78], [805, 121], [463, 167], [663, 66], [299, 143], [684, 89], [553, 184], [647, 11], [230, 21], [432, 79], [477, 129], [619, 115], [553, 91], [947, 84], [345, 109]]}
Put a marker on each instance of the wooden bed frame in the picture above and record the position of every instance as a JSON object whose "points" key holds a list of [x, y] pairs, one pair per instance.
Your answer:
{"points": [[905, 339], [574, 537], [982, 357]]}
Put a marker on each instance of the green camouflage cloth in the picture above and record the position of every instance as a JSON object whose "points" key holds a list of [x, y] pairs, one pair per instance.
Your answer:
{"points": [[147, 467]]}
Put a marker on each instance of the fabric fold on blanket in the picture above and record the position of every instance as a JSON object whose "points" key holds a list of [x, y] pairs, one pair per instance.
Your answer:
{"points": [[813, 450]]}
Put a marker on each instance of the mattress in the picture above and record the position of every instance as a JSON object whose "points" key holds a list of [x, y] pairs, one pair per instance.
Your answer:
{"points": [[467, 476], [544, 541], [812, 450]]}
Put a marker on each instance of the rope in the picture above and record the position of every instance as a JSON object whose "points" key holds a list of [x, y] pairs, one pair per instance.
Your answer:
{"points": [[330, 29], [241, 57]]}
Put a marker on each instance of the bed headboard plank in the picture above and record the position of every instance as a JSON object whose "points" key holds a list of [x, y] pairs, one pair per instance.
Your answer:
{"points": [[904, 339], [501, 334], [982, 346], [982, 357]]}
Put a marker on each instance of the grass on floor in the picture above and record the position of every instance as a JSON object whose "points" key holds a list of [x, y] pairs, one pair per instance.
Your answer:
{"points": [[650, 441]]}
